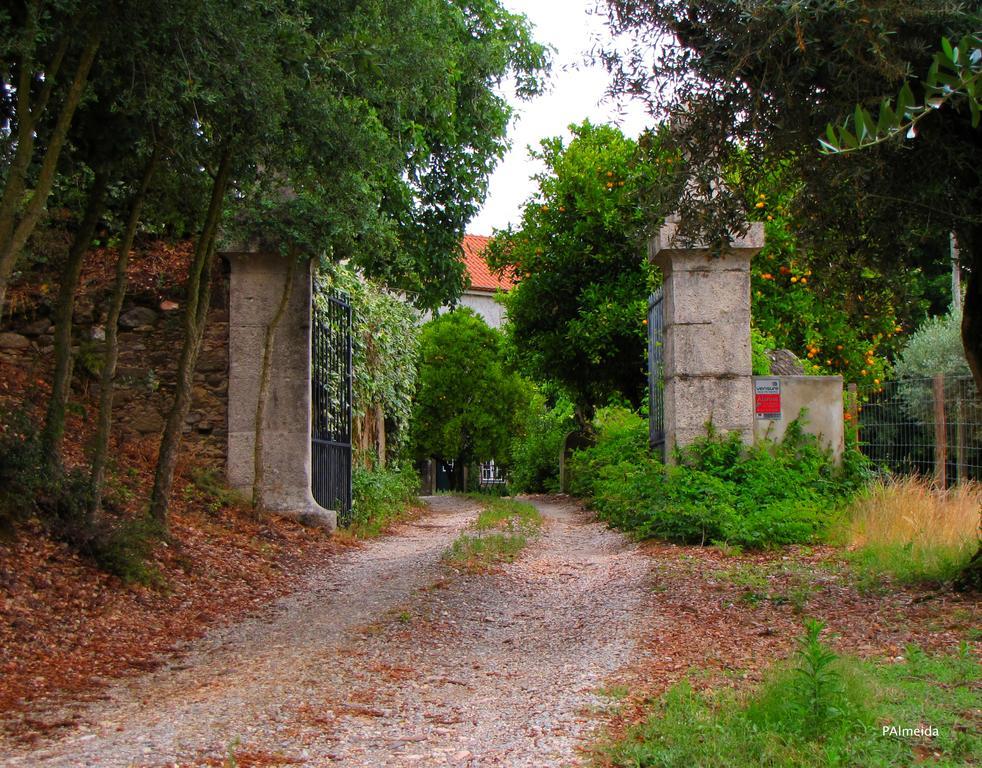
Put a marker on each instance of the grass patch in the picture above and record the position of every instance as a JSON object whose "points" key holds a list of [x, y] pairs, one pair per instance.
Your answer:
{"points": [[501, 531], [815, 711], [209, 492], [909, 532]]}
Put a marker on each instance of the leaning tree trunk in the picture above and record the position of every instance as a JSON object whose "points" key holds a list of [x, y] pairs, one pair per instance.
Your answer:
{"points": [[198, 299], [971, 577], [971, 243], [54, 422], [14, 233], [258, 465], [107, 379]]}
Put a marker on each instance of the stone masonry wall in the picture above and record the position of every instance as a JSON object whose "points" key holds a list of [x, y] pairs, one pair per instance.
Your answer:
{"points": [[150, 340]]}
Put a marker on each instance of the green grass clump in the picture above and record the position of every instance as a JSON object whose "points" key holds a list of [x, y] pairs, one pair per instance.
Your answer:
{"points": [[501, 531], [508, 514], [719, 490], [381, 497], [819, 710]]}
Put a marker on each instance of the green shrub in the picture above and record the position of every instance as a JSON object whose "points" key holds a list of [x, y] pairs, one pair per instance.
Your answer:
{"points": [[535, 454], [621, 435], [381, 496], [719, 489], [759, 345], [125, 549], [935, 347], [22, 470]]}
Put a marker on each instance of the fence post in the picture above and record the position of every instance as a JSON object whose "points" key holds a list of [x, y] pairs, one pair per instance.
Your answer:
{"points": [[940, 434], [960, 438]]}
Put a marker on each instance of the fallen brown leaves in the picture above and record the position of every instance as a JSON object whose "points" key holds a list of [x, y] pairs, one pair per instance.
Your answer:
{"points": [[155, 267], [67, 628]]}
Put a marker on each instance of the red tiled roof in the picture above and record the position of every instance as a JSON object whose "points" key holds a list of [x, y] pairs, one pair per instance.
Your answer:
{"points": [[480, 277]]}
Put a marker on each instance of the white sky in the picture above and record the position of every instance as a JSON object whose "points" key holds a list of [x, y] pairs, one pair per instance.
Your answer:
{"points": [[575, 91]]}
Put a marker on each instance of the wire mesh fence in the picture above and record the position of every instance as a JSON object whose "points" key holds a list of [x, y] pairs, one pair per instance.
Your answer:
{"points": [[928, 426]]}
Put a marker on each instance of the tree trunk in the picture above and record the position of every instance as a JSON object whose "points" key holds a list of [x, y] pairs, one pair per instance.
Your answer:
{"points": [[11, 242], [198, 299], [54, 423], [971, 247], [258, 469], [971, 244], [107, 380], [380, 434], [16, 180]]}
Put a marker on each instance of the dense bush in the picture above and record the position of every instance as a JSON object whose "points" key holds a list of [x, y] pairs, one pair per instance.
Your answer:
{"points": [[719, 489], [535, 454], [621, 436], [381, 496], [21, 467]]}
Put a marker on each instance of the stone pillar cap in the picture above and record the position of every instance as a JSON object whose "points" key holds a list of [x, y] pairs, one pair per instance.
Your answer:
{"points": [[663, 246]]}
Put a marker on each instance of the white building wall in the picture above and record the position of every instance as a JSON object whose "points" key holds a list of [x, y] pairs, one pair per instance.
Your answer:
{"points": [[486, 305]]}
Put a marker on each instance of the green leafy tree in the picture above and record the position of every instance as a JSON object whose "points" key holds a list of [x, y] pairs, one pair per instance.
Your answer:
{"points": [[751, 85], [955, 75], [371, 140], [362, 132], [47, 50], [469, 405], [577, 315]]}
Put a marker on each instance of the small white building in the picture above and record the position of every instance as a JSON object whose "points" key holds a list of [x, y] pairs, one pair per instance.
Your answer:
{"points": [[483, 284]]}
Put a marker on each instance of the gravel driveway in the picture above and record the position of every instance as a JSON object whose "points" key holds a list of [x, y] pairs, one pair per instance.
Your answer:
{"points": [[389, 657]]}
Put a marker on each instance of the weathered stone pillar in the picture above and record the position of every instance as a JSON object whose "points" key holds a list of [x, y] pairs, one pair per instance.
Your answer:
{"points": [[255, 291], [706, 353]]}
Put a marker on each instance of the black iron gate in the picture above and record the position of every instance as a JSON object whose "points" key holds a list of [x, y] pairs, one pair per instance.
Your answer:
{"points": [[330, 374], [656, 372]]}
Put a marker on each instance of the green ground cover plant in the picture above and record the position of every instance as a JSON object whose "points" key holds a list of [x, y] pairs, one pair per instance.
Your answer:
{"points": [[500, 532], [719, 490], [380, 497], [817, 709]]}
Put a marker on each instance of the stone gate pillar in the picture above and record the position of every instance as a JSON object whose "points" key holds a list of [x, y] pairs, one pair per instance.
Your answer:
{"points": [[706, 353], [255, 291]]}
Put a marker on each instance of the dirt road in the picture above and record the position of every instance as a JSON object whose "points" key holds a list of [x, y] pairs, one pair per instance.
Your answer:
{"points": [[389, 657]]}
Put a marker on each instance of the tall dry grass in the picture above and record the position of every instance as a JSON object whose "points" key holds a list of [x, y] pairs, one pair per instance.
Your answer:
{"points": [[912, 532]]}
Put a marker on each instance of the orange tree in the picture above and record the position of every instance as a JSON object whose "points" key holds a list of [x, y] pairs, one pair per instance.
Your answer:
{"points": [[839, 317], [577, 314], [764, 80]]}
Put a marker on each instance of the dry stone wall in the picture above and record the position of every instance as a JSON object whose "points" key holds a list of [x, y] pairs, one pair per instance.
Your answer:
{"points": [[150, 340]]}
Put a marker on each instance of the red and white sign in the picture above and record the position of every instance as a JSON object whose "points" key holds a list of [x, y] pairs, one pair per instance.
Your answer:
{"points": [[767, 398]]}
